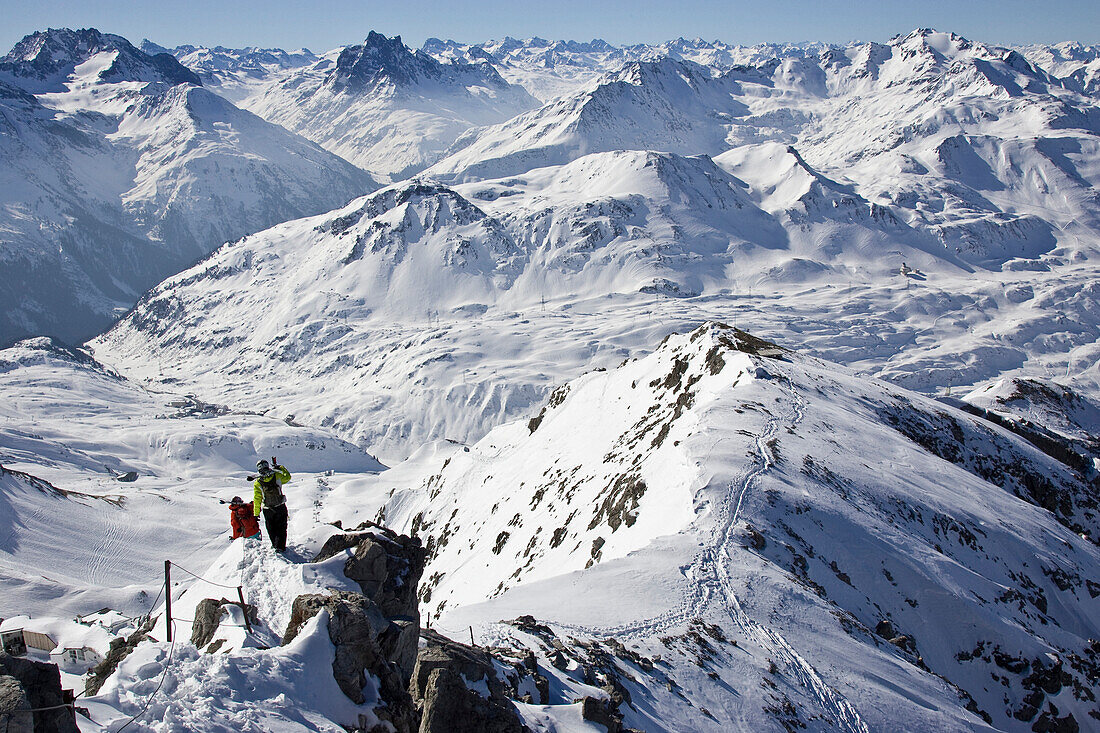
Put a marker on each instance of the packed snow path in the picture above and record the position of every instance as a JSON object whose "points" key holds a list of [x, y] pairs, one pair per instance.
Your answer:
{"points": [[713, 584]]}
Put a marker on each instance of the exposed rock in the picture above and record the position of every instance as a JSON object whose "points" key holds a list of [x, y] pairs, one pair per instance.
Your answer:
{"points": [[375, 633], [13, 698], [905, 643], [604, 712], [119, 650], [755, 540], [387, 567], [439, 685], [41, 684], [128, 477], [208, 615], [1049, 722]]}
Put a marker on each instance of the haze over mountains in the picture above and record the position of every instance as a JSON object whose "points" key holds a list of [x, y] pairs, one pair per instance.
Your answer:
{"points": [[120, 169], [759, 386]]}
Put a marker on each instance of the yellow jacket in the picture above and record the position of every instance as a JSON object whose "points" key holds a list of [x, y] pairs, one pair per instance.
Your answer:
{"points": [[282, 476]]}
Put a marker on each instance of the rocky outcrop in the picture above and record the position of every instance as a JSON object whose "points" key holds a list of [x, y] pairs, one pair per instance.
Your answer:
{"points": [[208, 616], [603, 712], [375, 633], [120, 649], [448, 685], [13, 699], [39, 688], [385, 565]]}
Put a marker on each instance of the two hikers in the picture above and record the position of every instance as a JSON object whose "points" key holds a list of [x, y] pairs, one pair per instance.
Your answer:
{"points": [[268, 495], [242, 519]]}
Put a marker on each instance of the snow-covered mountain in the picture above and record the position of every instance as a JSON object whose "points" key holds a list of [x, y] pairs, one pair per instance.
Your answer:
{"points": [[235, 73], [665, 105], [120, 169], [690, 527], [634, 226], [45, 61], [967, 142], [723, 534], [1077, 65], [881, 560], [385, 108], [571, 267], [549, 69]]}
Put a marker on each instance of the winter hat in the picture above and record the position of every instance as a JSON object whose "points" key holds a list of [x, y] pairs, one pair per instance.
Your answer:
{"points": [[236, 501]]}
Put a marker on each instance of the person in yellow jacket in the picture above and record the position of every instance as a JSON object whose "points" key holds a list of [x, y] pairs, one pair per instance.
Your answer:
{"points": [[268, 495]]}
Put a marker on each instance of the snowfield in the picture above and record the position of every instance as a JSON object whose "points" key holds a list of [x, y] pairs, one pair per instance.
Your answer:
{"points": [[727, 388]]}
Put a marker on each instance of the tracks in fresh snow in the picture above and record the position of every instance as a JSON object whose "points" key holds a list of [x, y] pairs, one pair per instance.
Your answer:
{"points": [[829, 699], [712, 582]]}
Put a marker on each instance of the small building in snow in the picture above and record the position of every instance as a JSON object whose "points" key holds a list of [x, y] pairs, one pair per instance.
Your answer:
{"points": [[37, 640], [12, 642], [82, 657]]}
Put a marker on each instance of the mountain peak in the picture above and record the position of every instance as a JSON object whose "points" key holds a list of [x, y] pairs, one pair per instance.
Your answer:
{"points": [[49, 57], [380, 59]]}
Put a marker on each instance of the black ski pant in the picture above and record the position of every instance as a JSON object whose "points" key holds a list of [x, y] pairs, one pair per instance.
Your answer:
{"points": [[276, 519]]}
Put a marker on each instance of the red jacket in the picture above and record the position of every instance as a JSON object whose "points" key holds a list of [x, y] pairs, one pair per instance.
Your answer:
{"points": [[243, 521]]}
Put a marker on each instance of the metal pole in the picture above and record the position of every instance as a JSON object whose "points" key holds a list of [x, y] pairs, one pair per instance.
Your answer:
{"points": [[472, 636], [168, 598], [244, 609]]}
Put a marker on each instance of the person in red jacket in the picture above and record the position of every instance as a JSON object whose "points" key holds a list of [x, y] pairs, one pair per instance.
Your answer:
{"points": [[242, 520]]}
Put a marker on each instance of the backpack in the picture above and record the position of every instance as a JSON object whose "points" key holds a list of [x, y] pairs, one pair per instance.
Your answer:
{"points": [[273, 492]]}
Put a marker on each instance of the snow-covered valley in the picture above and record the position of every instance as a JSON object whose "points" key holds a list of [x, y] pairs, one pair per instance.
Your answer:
{"points": [[869, 503]]}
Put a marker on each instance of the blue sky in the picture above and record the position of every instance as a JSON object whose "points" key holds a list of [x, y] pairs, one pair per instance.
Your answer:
{"points": [[326, 24]]}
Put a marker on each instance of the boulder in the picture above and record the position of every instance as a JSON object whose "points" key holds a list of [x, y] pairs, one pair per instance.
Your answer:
{"points": [[603, 712], [366, 643], [386, 566], [41, 684], [208, 616], [439, 685], [13, 698]]}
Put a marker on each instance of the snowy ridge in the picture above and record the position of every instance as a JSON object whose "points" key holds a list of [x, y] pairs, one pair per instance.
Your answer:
{"points": [[998, 135], [643, 225], [694, 527], [235, 73], [549, 69], [729, 457], [43, 61], [452, 277]]}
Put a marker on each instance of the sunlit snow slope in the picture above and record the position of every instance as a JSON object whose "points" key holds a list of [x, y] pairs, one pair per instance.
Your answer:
{"points": [[881, 561]]}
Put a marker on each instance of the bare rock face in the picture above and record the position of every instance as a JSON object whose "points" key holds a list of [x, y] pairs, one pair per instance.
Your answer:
{"points": [[41, 686], [208, 616], [13, 699], [447, 704], [375, 632], [386, 566]]}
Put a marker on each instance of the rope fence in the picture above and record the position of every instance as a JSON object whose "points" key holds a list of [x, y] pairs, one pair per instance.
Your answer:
{"points": [[196, 575], [170, 622]]}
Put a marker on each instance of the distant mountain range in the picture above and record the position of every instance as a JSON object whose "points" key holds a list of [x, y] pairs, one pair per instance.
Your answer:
{"points": [[120, 169], [758, 387]]}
